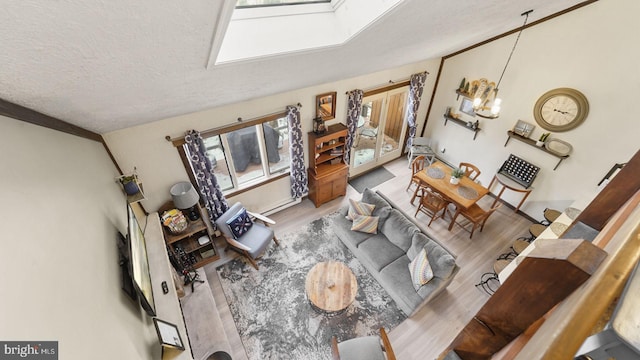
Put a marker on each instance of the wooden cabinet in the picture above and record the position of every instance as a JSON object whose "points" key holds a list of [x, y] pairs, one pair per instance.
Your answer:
{"points": [[327, 170], [186, 246]]}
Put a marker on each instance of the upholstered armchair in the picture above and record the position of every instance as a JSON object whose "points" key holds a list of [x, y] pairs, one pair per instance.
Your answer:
{"points": [[243, 234], [363, 348]]}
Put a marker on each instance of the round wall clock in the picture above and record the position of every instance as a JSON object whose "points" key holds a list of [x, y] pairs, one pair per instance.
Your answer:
{"points": [[561, 109]]}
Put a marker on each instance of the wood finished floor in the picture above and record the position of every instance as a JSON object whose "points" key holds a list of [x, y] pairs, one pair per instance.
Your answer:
{"points": [[427, 333]]}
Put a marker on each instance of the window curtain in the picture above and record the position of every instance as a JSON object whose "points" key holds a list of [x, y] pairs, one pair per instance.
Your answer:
{"points": [[210, 193], [299, 183], [416, 85], [354, 107]]}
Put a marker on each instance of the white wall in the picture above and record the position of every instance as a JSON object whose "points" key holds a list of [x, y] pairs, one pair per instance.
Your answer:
{"points": [[159, 164], [61, 209], [589, 49]]}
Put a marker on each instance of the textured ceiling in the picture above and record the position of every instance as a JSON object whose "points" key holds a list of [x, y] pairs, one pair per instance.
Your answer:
{"points": [[105, 65]]}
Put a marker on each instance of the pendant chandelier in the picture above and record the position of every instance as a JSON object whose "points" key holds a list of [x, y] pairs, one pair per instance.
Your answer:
{"points": [[494, 106]]}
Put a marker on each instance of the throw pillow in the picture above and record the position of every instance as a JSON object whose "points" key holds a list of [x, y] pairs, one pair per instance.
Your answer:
{"points": [[359, 208], [420, 270], [367, 224], [240, 223]]}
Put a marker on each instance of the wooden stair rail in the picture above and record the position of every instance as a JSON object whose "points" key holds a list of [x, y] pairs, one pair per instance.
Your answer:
{"points": [[551, 272], [564, 331]]}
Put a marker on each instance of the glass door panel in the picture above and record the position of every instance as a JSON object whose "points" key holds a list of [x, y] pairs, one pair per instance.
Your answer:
{"points": [[366, 141], [380, 130], [394, 124]]}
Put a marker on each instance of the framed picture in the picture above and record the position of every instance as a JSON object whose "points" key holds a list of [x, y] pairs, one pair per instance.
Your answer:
{"points": [[326, 106], [466, 106], [168, 334], [523, 128]]}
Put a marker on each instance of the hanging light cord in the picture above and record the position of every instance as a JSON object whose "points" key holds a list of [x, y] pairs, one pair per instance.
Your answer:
{"points": [[526, 14]]}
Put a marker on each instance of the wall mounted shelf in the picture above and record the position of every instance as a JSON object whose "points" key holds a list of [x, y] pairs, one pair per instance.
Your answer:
{"points": [[464, 124], [532, 142]]}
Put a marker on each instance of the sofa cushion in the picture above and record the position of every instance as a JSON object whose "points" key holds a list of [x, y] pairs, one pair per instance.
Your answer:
{"points": [[441, 261], [396, 279], [418, 241], [420, 270], [367, 224], [379, 252], [382, 207], [342, 228], [399, 230], [359, 208]]}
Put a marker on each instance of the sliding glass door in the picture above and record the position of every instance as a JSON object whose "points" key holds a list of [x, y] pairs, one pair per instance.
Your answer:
{"points": [[380, 131]]}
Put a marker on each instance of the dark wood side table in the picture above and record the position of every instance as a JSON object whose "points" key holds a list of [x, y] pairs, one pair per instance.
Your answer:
{"points": [[187, 243]]}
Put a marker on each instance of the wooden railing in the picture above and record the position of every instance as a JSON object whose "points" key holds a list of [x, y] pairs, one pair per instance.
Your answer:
{"points": [[572, 321]]}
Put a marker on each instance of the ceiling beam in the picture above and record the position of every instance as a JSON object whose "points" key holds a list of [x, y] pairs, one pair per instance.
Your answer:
{"points": [[22, 113]]}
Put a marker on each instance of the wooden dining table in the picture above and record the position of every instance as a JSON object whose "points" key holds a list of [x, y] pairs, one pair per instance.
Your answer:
{"points": [[464, 194]]}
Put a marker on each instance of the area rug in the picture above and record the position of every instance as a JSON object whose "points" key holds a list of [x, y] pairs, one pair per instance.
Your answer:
{"points": [[373, 178], [270, 308]]}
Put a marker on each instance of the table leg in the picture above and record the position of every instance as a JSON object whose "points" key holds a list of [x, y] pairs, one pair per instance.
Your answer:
{"points": [[498, 196], [523, 199]]}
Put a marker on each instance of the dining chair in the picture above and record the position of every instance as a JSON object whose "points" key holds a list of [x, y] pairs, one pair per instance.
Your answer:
{"points": [[475, 214], [416, 166], [363, 348], [431, 203], [471, 171]]}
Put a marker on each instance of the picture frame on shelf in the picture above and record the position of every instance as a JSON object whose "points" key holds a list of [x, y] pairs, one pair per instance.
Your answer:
{"points": [[523, 128], [466, 106], [168, 334], [326, 105]]}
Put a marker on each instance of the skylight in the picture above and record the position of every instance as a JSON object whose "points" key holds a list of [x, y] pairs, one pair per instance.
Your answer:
{"points": [[243, 4], [255, 31]]}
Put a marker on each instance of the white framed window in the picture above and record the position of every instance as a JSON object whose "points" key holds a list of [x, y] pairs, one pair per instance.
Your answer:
{"points": [[248, 156]]}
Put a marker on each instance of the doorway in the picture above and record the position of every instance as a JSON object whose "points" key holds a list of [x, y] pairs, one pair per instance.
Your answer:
{"points": [[380, 130]]}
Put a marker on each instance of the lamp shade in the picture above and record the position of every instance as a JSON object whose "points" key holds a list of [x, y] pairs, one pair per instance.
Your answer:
{"points": [[184, 195]]}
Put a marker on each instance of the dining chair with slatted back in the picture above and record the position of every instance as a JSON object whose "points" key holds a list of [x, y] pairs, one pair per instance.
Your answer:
{"points": [[471, 171], [431, 203], [476, 216], [416, 166]]}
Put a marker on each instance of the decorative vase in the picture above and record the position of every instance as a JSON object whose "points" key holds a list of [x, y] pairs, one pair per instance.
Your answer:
{"points": [[454, 180], [539, 143]]}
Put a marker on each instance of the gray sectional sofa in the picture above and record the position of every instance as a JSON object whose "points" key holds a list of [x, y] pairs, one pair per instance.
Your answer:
{"points": [[388, 253]]}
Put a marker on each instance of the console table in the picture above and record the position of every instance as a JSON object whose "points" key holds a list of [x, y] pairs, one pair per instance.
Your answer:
{"points": [[511, 185], [167, 305], [202, 333]]}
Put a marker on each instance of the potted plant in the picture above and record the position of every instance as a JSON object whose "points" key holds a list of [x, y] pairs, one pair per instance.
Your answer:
{"points": [[129, 184], [542, 139], [456, 174]]}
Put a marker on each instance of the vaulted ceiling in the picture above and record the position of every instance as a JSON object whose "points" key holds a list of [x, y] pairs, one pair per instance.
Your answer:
{"points": [[105, 65]]}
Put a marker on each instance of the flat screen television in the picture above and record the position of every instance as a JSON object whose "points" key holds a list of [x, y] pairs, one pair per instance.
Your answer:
{"points": [[140, 263]]}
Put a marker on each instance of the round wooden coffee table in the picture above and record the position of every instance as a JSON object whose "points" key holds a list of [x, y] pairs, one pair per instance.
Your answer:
{"points": [[331, 287]]}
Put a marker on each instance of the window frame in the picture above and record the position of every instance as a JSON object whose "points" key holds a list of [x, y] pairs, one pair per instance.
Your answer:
{"points": [[267, 176]]}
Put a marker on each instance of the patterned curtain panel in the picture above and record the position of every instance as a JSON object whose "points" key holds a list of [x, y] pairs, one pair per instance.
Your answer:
{"points": [[214, 200], [299, 185], [354, 107], [416, 85]]}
